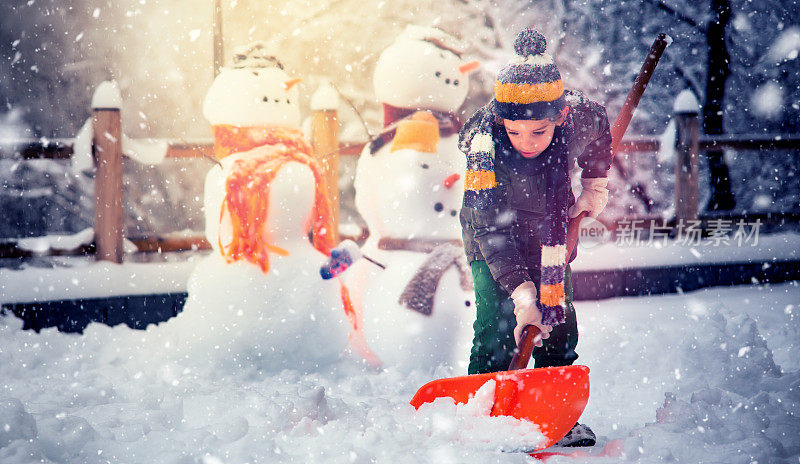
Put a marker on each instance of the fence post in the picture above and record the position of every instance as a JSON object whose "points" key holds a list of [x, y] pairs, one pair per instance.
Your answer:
{"points": [[687, 122], [107, 153], [325, 142]]}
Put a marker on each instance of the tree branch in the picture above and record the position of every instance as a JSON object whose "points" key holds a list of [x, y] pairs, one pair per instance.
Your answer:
{"points": [[687, 19], [685, 76]]}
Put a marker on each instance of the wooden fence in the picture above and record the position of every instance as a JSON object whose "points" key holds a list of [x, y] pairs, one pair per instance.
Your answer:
{"points": [[107, 152]]}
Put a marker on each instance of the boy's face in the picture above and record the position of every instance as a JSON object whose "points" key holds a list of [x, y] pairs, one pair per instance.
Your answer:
{"points": [[530, 137]]}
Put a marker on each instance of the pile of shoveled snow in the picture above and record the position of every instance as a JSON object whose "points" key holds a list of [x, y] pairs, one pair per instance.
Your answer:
{"points": [[690, 378], [734, 406]]}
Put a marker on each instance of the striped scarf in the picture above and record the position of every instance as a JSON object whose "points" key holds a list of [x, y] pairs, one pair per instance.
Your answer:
{"points": [[481, 193]]}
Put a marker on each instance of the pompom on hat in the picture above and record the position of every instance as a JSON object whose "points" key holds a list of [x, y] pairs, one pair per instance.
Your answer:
{"points": [[529, 86]]}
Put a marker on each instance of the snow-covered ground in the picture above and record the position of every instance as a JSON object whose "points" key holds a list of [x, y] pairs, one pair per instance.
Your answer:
{"points": [[708, 376]]}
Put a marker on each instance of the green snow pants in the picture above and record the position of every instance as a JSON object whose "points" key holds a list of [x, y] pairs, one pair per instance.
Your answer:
{"points": [[493, 345]]}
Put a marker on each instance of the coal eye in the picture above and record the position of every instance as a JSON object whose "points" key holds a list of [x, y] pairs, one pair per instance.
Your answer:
{"points": [[438, 74], [288, 101], [425, 166], [277, 101], [455, 82], [453, 212], [438, 207], [266, 99]]}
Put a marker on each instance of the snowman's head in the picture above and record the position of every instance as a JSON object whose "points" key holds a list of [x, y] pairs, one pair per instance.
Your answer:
{"points": [[254, 91], [419, 195], [423, 68]]}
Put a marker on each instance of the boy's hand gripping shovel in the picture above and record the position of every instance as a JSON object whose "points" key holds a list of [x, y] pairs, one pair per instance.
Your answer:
{"points": [[551, 397]]}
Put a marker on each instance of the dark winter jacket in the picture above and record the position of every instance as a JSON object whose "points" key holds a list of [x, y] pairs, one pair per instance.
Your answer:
{"points": [[507, 237]]}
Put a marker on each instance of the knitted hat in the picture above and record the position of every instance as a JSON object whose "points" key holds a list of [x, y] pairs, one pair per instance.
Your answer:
{"points": [[529, 86], [254, 55]]}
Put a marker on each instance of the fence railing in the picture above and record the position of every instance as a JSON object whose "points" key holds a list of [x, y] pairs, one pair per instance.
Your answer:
{"points": [[107, 151]]}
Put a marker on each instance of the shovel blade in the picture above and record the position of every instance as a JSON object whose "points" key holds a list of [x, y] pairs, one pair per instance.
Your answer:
{"points": [[553, 398]]}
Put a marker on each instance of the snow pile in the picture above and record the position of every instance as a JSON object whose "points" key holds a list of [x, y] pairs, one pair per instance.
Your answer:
{"points": [[666, 150], [325, 98], [146, 151], [17, 424], [717, 392], [57, 242], [107, 96], [733, 394], [471, 426], [686, 102]]}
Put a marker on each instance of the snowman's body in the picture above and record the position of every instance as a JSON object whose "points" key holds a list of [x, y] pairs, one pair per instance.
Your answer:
{"points": [[238, 311], [286, 318], [410, 200]]}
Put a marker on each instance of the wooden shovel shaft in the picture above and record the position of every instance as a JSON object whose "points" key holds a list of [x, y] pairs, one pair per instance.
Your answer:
{"points": [[525, 348], [639, 84], [634, 95]]}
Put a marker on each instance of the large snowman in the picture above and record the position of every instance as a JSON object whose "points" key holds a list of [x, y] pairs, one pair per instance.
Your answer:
{"points": [[257, 301], [416, 312]]}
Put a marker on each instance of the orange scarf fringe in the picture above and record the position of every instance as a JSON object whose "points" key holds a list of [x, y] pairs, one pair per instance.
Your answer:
{"points": [[247, 196]]}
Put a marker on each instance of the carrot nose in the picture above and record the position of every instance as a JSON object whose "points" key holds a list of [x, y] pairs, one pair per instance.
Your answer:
{"points": [[291, 83], [450, 181], [469, 67]]}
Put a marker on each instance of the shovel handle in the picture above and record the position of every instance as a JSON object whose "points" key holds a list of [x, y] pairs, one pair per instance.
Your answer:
{"points": [[526, 343], [573, 228]]}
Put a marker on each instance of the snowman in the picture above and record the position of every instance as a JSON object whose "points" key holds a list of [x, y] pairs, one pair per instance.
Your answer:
{"points": [[257, 301], [409, 185]]}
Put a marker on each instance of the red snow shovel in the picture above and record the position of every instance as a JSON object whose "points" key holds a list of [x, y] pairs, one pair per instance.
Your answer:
{"points": [[551, 397]]}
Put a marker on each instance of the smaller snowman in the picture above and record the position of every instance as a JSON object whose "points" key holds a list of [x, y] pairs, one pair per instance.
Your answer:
{"points": [[257, 301], [409, 187]]}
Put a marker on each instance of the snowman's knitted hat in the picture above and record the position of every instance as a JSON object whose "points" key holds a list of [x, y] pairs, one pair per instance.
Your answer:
{"points": [[529, 86], [254, 55], [435, 36]]}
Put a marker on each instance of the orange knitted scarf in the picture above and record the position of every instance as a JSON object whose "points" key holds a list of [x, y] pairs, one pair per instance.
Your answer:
{"points": [[247, 191], [230, 139]]}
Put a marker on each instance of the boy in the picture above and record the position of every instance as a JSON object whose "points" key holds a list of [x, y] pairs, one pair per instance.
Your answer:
{"points": [[517, 202]]}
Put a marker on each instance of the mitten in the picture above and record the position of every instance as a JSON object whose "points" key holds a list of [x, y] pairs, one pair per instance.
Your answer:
{"points": [[527, 312], [342, 257], [593, 197]]}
